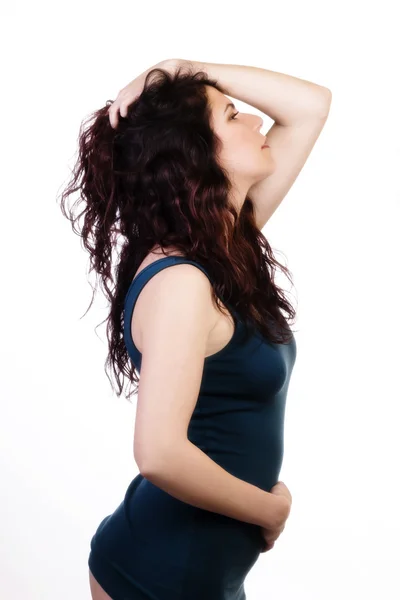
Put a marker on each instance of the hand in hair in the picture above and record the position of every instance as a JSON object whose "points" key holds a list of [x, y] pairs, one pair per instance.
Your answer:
{"points": [[130, 92]]}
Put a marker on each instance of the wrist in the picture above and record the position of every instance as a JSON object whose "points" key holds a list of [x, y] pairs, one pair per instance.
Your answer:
{"points": [[170, 63], [174, 63], [279, 508]]}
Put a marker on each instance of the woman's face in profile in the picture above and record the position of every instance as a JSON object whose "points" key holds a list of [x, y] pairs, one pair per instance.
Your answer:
{"points": [[241, 153]]}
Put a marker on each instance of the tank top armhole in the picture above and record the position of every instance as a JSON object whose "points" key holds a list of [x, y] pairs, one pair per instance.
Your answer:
{"points": [[136, 287]]}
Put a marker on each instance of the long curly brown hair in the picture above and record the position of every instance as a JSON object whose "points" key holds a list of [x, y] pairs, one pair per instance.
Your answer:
{"points": [[155, 181]]}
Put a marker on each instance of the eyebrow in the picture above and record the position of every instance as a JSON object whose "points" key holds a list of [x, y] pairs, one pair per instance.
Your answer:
{"points": [[229, 105]]}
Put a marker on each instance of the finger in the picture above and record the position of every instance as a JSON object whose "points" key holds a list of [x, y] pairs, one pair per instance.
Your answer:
{"points": [[113, 116]]}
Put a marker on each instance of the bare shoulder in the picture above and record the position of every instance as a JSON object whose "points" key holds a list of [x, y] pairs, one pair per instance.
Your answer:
{"points": [[172, 281], [178, 292]]}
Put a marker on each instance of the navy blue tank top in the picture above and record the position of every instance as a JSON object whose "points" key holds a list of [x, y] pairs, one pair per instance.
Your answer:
{"points": [[155, 547]]}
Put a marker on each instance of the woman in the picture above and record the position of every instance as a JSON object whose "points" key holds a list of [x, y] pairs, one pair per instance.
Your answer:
{"points": [[180, 178]]}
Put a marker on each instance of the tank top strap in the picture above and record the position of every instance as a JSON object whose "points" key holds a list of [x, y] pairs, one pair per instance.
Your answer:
{"points": [[138, 284]]}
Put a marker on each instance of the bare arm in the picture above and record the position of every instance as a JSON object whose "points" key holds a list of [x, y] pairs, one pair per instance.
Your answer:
{"points": [[176, 315], [286, 99], [187, 473]]}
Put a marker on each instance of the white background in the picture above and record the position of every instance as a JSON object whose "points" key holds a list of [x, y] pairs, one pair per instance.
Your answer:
{"points": [[66, 439]]}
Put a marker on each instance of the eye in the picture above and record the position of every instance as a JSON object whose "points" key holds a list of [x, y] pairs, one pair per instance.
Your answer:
{"points": [[235, 115]]}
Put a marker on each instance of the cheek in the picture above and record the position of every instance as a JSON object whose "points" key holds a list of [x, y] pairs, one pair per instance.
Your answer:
{"points": [[242, 155]]}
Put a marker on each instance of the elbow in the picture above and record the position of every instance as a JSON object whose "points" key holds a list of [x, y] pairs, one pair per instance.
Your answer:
{"points": [[145, 464], [151, 463], [146, 469], [326, 104]]}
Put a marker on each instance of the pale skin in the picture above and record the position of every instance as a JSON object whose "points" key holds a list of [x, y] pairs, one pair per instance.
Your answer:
{"points": [[247, 164]]}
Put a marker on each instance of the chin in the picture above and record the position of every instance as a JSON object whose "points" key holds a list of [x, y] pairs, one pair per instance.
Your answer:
{"points": [[269, 168]]}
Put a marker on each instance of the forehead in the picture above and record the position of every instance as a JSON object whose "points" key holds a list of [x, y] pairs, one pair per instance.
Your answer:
{"points": [[217, 100]]}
